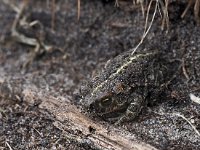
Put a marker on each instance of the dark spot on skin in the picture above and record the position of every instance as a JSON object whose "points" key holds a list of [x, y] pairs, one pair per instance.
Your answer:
{"points": [[91, 129]]}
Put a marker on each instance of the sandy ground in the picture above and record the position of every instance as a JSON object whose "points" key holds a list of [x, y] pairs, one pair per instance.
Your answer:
{"points": [[79, 48]]}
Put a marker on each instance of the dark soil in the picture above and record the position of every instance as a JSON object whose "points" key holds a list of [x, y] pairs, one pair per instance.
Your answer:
{"points": [[82, 47]]}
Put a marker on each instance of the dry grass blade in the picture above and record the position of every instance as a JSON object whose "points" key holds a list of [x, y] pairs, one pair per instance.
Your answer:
{"points": [[53, 15], [78, 9], [10, 148], [196, 11], [146, 30]]}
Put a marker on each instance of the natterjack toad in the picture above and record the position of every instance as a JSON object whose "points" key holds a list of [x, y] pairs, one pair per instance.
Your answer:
{"points": [[120, 90]]}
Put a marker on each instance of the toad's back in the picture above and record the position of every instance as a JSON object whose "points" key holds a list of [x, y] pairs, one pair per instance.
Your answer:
{"points": [[137, 69]]}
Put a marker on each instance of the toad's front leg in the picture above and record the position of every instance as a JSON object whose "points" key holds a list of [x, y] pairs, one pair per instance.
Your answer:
{"points": [[137, 101]]}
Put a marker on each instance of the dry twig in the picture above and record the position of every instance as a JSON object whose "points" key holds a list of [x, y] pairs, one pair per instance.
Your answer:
{"points": [[40, 47]]}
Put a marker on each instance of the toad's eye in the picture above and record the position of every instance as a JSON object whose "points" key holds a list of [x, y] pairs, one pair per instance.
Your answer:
{"points": [[106, 102]]}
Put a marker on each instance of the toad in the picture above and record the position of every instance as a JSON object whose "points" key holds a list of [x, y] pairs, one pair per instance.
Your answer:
{"points": [[122, 88]]}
